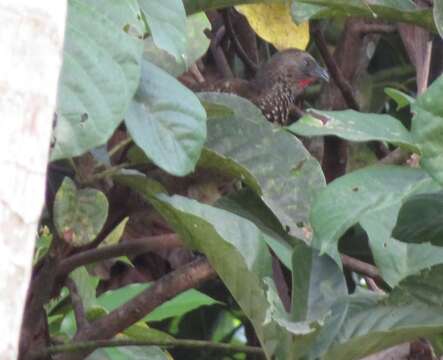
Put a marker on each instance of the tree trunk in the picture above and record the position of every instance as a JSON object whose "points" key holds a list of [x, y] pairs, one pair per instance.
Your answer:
{"points": [[31, 40]]}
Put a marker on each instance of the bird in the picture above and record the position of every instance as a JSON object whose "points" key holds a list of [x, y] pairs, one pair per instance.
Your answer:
{"points": [[276, 84]]}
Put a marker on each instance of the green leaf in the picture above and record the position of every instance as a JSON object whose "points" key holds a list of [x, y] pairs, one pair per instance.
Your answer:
{"points": [[137, 353], [373, 197], [197, 45], [354, 126], [91, 102], [227, 167], [389, 10], [141, 331], [86, 285], [421, 220], [427, 128], [373, 323], [79, 215], [44, 240], [179, 305], [167, 24], [250, 206], [304, 12], [438, 16], [288, 176], [399, 97], [125, 14], [167, 121], [114, 237], [317, 282]]}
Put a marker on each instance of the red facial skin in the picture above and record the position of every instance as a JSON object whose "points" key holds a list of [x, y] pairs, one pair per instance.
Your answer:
{"points": [[305, 82]]}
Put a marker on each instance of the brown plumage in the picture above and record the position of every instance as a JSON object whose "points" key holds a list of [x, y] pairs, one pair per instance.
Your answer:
{"points": [[276, 84]]}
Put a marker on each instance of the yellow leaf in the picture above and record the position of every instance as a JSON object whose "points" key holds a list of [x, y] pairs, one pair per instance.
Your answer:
{"points": [[273, 23]]}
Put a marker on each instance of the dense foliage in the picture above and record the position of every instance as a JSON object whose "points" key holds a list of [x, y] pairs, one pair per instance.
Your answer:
{"points": [[318, 254]]}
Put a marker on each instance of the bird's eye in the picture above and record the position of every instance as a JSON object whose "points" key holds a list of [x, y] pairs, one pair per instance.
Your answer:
{"points": [[306, 62]]}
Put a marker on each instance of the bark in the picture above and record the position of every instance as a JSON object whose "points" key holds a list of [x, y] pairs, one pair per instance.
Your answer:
{"points": [[31, 40]]}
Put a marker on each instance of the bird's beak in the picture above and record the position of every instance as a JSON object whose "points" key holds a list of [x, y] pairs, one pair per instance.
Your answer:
{"points": [[321, 73]]}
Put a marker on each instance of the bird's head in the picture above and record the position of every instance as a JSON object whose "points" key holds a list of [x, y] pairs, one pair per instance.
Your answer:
{"points": [[294, 67]]}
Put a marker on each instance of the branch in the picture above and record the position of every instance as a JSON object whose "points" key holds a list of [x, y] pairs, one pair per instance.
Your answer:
{"points": [[333, 68], [134, 247], [217, 52], [178, 343], [77, 305], [238, 46], [377, 28], [361, 267], [189, 276]]}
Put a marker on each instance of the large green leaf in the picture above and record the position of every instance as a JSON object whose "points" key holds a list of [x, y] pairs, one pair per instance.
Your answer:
{"points": [[167, 24], [438, 16], [354, 126], [427, 128], [100, 74], [237, 250], [421, 220], [197, 45], [179, 305], [167, 121], [79, 215], [373, 197], [390, 10], [285, 171], [373, 323], [249, 205]]}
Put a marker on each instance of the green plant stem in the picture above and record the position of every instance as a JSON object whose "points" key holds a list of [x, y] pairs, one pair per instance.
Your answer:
{"points": [[119, 146], [181, 343], [107, 172]]}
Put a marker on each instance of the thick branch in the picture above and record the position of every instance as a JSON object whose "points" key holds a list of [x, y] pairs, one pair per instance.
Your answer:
{"points": [[184, 278], [134, 247], [178, 343]]}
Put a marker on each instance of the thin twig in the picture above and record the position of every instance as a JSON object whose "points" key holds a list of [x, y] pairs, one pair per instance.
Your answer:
{"points": [[333, 68], [377, 28], [361, 267], [178, 343], [238, 46], [188, 276], [133, 247], [77, 305], [218, 54], [119, 146]]}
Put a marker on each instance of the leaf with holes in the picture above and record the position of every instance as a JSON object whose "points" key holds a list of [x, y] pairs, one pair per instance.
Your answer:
{"points": [[287, 175], [354, 126], [91, 103]]}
